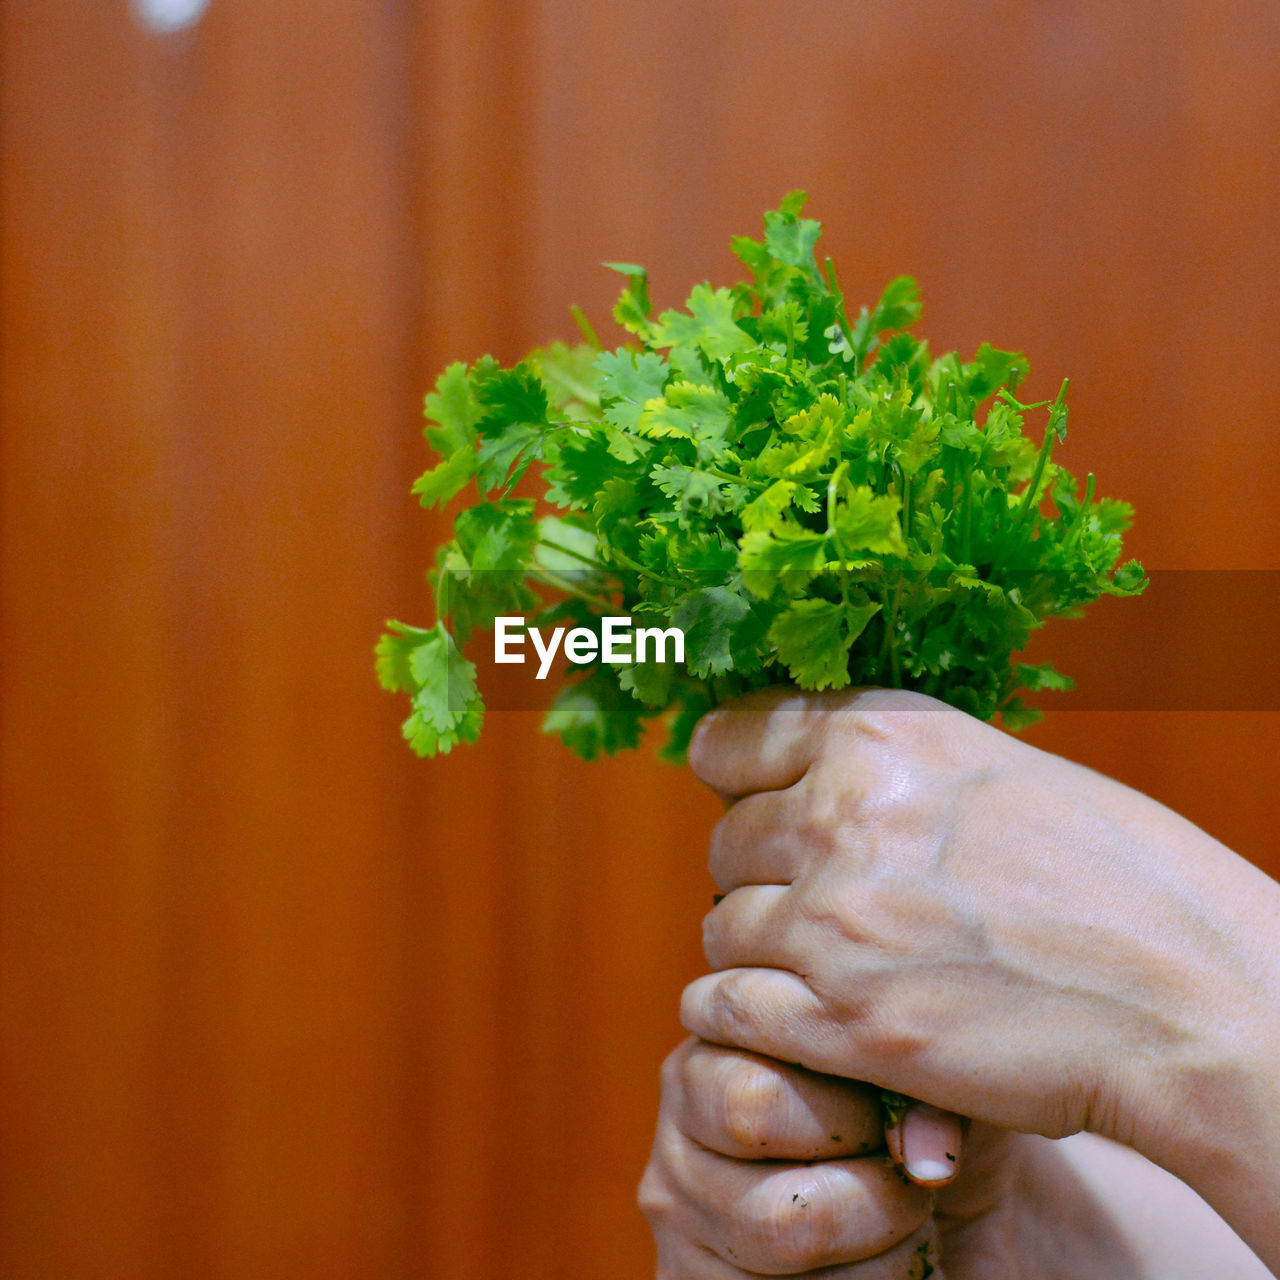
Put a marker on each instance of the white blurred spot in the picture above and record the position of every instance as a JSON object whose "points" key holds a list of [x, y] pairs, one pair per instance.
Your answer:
{"points": [[164, 16]]}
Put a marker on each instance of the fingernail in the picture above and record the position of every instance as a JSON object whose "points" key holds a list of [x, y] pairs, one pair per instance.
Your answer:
{"points": [[930, 1144]]}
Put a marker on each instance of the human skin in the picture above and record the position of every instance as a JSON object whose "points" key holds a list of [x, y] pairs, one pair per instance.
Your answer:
{"points": [[916, 899], [761, 1167]]}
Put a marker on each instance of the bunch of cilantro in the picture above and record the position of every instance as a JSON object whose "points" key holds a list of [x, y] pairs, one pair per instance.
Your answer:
{"points": [[812, 499]]}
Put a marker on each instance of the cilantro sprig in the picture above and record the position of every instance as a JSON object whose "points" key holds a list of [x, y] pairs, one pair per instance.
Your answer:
{"points": [[813, 498]]}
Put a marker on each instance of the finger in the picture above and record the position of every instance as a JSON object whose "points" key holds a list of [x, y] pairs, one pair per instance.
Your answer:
{"points": [[767, 740], [790, 1219], [762, 839], [766, 1216], [914, 1258], [681, 1258], [741, 1104], [762, 742], [926, 1144], [750, 927], [769, 1011]]}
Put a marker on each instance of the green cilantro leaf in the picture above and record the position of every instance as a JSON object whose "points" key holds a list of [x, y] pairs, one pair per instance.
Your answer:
{"points": [[446, 705], [594, 713], [710, 325], [813, 639], [454, 410], [633, 307], [628, 380], [809, 499], [788, 557], [868, 521], [448, 478], [687, 409], [721, 629]]}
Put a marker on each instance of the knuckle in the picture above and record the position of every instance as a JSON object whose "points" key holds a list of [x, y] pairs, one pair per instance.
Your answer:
{"points": [[891, 1036], [839, 913], [712, 931], [818, 829], [900, 1042], [728, 1008], [703, 748], [722, 851], [673, 1076], [735, 835], [654, 1197], [891, 729], [881, 712], [879, 719], [750, 1097], [849, 806]]}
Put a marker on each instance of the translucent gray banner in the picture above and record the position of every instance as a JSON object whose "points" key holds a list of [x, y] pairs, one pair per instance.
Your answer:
{"points": [[1195, 640]]}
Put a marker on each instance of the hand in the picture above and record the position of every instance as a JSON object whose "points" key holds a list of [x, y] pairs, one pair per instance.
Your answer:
{"points": [[1015, 1206], [732, 1190], [917, 899]]}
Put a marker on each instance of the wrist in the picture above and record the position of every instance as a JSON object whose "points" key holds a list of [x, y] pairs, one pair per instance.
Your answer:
{"points": [[1094, 1208], [1213, 1116]]}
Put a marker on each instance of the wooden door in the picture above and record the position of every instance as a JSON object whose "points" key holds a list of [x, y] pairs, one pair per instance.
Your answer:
{"points": [[279, 1000]]}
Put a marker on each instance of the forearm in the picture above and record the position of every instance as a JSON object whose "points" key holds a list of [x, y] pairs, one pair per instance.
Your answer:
{"points": [[1228, 1149], [1090, 1209], [1217, 1124]]}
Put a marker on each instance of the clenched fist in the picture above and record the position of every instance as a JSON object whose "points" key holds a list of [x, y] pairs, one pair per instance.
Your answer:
{"points": [[760, 1168], [916, 899], [763, 1168]]}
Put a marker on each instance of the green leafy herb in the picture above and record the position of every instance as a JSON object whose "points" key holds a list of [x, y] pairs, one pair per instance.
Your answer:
{"points": [[811, 498]]}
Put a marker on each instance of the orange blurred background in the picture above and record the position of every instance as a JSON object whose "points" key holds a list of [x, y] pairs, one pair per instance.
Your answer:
{"points": [[281, 1001]]}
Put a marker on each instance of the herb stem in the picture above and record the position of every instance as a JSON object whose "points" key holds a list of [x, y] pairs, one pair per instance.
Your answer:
{"points": [[588, 331], [833, 495], [552, 579], [1028, 498], [889, 646], [573, 555], [895, 666], [628, 563], [580, 390], [833, 490], [842, 318], [729, 478], [439, 596], [1077, 526]]}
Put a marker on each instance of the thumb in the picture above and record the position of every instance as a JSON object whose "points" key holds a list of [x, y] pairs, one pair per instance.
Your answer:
{"points": [[925, 1143]]}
